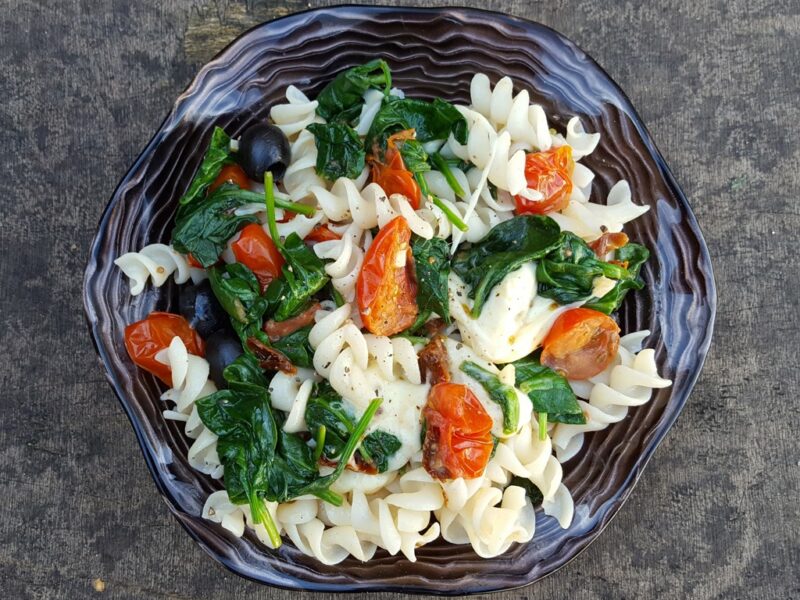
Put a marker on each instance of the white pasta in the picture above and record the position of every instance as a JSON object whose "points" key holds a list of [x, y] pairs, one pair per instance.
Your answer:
{"points": [[342, 355], [347, 256], [290, 393], [190, 382], [589, 220], [301, 174], [156, 262], [628, 381], [296, 114], [367, 208]]}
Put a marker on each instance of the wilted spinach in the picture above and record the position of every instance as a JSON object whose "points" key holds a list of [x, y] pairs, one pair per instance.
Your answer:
{"points": [[342, 98], [302, 276], [432, 263], [296, 347], [204, 227], [340, 152], [635, 255], [327, 413], [262, 462], [549, 392], [239, 293], [217, 155], [430, 120], [500, 393], [505, 248]]}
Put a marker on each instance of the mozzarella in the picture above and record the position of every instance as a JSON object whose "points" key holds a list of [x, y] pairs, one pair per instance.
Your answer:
{"points": [[457, 353], [514, 319]]}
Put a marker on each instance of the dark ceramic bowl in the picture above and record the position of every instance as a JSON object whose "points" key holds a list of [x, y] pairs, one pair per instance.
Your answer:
{"points": [[433, 52]]}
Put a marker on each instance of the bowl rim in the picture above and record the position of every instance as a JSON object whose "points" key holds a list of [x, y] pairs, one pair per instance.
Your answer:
{"points": [[628, 483]]}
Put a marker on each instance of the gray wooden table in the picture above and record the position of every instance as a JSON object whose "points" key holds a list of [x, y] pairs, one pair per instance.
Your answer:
{"points": [[83, 86]]}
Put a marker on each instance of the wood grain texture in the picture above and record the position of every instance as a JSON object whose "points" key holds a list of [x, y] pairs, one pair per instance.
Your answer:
{"points": [[84, 85]]}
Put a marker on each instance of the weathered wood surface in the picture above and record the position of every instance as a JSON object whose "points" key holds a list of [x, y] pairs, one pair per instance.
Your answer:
{"points": [[84, 85]]}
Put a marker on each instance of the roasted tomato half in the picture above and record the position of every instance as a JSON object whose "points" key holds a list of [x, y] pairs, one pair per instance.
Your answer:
{"points": [[386, 288], [581, 343], [550, 173], [146, 338], [391, 173], [231, 174], [458, 439], [256, 250]]}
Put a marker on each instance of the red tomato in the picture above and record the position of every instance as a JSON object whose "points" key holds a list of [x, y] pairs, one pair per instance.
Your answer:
{"points": [[550, 173], [392, 175], [458, 439], [231, 174], [193, 262], [256, 250], [146, 338], [386, 288], [321, 233], [581, 343]]}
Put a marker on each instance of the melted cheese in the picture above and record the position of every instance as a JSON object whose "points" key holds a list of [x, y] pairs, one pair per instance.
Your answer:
{"points": [[514, 319], [398, 414], [457, 353]]}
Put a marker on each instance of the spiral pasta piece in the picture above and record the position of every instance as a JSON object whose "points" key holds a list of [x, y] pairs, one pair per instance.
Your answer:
{"points": [[190, 382], [342, 355], [368, 207], [290, 393], [589, 220], [156, 262], [628, 382], [347, 255], [301, 174], [491, 520], [297, 113]]}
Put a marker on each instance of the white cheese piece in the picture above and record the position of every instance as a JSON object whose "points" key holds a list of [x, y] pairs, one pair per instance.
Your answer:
{"points": [[514, 319], [457, 353]]}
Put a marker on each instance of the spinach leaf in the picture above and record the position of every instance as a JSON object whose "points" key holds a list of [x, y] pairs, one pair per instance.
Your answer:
{"points": [[635, 255], [245, 370], [531, 491], [432, 262], [549, 392], [506, 247], [296, 347], [380, 446], [217, 155], [430, 120], [327, 412], [340, 152], [500, 393], [248, 437], [302, 276], [325, 408], [239, 293], [203, 228], [414, 156], [567, 273], [342, 98]]}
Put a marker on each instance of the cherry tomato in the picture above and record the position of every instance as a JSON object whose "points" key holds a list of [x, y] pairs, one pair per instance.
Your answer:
{"points": [[581, 343], [550, 173], [146, 338], [231, 174], [608, 242], [321, 233], [256, 250], [391, 173], [458, 439], [193, 262], [386, 288]]}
